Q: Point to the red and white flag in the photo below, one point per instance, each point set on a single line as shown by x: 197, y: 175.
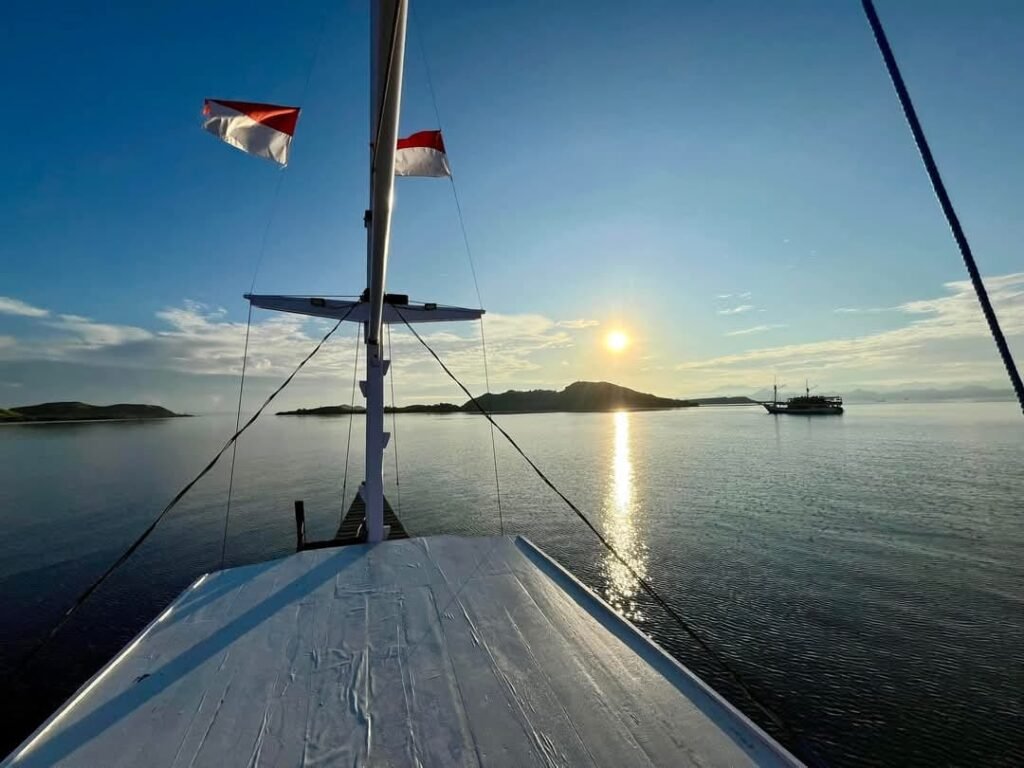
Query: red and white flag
x: 422, y: 154
x: 264, y: 130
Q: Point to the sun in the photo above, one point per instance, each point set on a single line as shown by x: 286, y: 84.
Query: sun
x: 616, y: 341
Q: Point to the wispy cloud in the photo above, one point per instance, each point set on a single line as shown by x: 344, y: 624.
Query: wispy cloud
x: 940, y: 341
x: 87, y: 334
x: 742, y: 295
x: 944, y: 342
x: 738, y: 310
x: 755, y: 329
x: 200, y: 340
x: 9, y: 306
x: 864, y: 310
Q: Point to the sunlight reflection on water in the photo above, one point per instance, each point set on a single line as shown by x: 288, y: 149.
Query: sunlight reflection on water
x: 620, y: 525
x: 863, y: 571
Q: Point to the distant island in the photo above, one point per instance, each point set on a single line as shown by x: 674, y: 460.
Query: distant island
x: 75, y: 411
x: 580, y: 397
x: 342, y: 410
x: 931, y: 395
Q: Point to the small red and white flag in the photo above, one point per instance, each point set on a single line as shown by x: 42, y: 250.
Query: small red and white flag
x: 264, y: 130
x: 422, y: 154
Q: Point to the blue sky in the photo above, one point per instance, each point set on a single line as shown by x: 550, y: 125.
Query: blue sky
x: 715, y: 179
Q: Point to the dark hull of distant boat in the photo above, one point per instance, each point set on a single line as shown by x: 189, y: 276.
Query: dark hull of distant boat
x: 829, y: 410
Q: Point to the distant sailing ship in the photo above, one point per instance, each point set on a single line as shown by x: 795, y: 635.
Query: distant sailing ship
x: 806, y: 404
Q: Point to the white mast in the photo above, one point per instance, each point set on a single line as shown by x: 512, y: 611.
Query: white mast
x: 387, y: 60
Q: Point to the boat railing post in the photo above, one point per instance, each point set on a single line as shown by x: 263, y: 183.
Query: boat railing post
x: 300, y: 525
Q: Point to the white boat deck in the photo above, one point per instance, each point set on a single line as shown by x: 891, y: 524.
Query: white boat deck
x: 429, y: 651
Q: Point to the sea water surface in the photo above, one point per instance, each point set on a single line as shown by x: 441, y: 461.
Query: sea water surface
x: 863, y: 574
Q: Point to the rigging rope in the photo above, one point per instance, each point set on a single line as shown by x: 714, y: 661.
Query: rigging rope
x: 245, y: 354
x: 173, y: 502
x: 426, y: 64
x: 644, y: 584
x: 351, y: 407
x: 469, y: 256
x: 483, y: 349
x: 280, y: 176
x: 252, y: 288
x: 494, y: 449
x: 234, y: 446
x: 394, y: 419
x: 947, y: 205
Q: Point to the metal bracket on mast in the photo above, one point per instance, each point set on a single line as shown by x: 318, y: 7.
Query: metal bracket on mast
x: 362, y: 382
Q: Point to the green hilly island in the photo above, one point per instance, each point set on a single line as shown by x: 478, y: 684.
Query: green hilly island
x: 76, y: 411
x: 580, y: 397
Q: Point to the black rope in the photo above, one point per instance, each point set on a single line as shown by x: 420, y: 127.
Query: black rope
x: 173, y: 502
x: 234, y: 446
x: 647, y: 587
x: 947, y: 205
x: 351, y: 407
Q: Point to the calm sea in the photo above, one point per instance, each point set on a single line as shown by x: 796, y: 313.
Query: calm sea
x: 864, y: 574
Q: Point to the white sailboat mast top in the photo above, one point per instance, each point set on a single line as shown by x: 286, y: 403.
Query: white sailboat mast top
x: 387, y: 62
